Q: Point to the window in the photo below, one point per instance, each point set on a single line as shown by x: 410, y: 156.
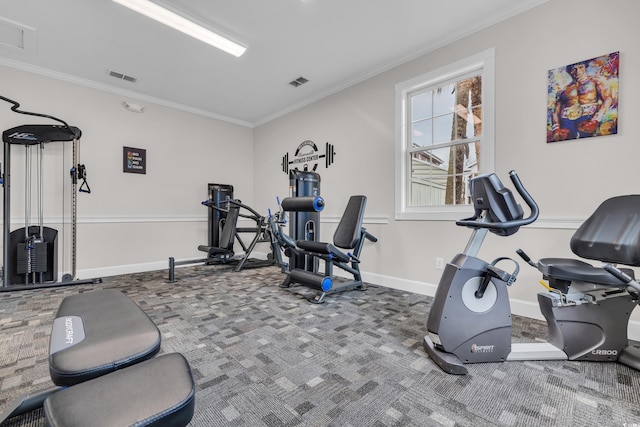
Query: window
x: 444, y: 131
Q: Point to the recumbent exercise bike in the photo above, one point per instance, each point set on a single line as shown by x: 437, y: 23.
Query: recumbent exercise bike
x: 587, y: 308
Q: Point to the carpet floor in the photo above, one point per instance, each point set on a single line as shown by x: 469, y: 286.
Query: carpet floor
x: 263, y: 356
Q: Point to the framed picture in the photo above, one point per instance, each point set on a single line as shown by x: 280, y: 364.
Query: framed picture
x: 583, y: 99
x: 134, y: 160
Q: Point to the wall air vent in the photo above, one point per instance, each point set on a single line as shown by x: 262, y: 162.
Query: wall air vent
x: 298, y: 82
x: 122, y: 76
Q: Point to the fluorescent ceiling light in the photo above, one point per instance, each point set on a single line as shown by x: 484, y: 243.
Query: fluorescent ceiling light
x: 177, y: 22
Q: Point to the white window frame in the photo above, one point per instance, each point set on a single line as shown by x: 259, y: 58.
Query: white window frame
x: 484, y: 63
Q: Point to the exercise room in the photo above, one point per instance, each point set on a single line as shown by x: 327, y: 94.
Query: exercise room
x: 319, y: 213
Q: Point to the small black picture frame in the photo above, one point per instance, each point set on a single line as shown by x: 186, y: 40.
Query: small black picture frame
x: 134, y: 160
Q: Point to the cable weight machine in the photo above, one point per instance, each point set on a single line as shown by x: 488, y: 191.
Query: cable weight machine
x: 30, y: 254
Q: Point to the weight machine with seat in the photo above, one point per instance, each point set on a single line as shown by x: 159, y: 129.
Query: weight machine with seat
x: 223, y: 252
x: 350, y: 236
x: 223, y: 231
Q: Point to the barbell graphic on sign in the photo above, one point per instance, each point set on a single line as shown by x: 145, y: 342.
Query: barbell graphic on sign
x: 307, y: 154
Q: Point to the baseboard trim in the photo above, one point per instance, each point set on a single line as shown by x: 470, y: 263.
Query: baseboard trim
x: 518, y: 307
x: 117, y: 270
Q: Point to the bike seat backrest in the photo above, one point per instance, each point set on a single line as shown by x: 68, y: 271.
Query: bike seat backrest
x: 496, y: 201
x: 349, y: 230
x: 611, y: 233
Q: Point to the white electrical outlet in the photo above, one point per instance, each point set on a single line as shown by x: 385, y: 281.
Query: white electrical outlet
x: 439, y: 263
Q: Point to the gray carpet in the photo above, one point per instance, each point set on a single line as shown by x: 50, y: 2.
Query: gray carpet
x: 264, y: 356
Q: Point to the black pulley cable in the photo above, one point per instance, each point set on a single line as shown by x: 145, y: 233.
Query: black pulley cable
x: 16, y: 107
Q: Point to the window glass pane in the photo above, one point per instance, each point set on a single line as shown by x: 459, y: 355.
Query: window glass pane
x: 442, y: 154
x: 442, y: 128
x: 441, y: 176
x: 476, y: 121
x: 421, y: 106
x: 457, y: 189
x: 475, y: 85
x: 460, y: 123
x: 428, y: 182
x: 449, y: 117
x: 443, y: 100
x: 463, y: 158
x: 426, y: 160
x: 422, y: 133
x: 468, y: 98
x: 459, y: 155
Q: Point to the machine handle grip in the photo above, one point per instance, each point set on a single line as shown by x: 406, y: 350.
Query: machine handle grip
x: 619, y: 274
x: 255, y: 215
x: 533, y: 206
x: 369, y: 236
x: 622, y: 276
x: 526, y: 258
x: 523, y: 255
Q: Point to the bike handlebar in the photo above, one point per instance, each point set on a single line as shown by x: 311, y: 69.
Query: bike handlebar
x: 473, y: 222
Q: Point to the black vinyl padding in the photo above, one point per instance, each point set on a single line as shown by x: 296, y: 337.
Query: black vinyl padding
x: 349, y: 230
x: 575, y: 270
x: 227, y: 236
x: 118, y: 334
x: 229, y: 229
x: 347, y: 235
x: 302, y: 204
x: 611, y: 233
x: 323, y: 248
x: 157, y: 392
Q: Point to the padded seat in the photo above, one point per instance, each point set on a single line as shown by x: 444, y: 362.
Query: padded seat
x: 98, y: 332
x: 157, y: 392
x: 323, y: 248
x: 350, y: 235
x: 575, y: 270
x: 611, y: 234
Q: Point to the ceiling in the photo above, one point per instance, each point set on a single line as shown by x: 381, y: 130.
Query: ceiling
x: 332, y: 43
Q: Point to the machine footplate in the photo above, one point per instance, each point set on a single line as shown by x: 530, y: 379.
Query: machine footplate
x: 446, y: 361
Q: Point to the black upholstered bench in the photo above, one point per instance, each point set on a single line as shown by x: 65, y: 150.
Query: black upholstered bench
x: 95, y: 333
x: 97, y: 344
x: 157, y: 392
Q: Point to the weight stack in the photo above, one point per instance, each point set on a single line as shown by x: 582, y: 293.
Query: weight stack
x: 41, y: 259
x: 304, y: 225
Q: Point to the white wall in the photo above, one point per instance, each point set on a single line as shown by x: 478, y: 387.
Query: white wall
x: 133, y: 223
x: 130, y: 222
x: 568, y: 179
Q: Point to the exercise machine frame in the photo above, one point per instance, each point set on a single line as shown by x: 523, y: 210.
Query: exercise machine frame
x: 587, y: 308
x: 28, y: 136
x: 350, y: 235
x: 223, y: 254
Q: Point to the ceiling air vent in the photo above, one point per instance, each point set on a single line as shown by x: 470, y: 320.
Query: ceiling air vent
x: 122, y: 76
x: 16, y: 36
x: 298, y: 82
